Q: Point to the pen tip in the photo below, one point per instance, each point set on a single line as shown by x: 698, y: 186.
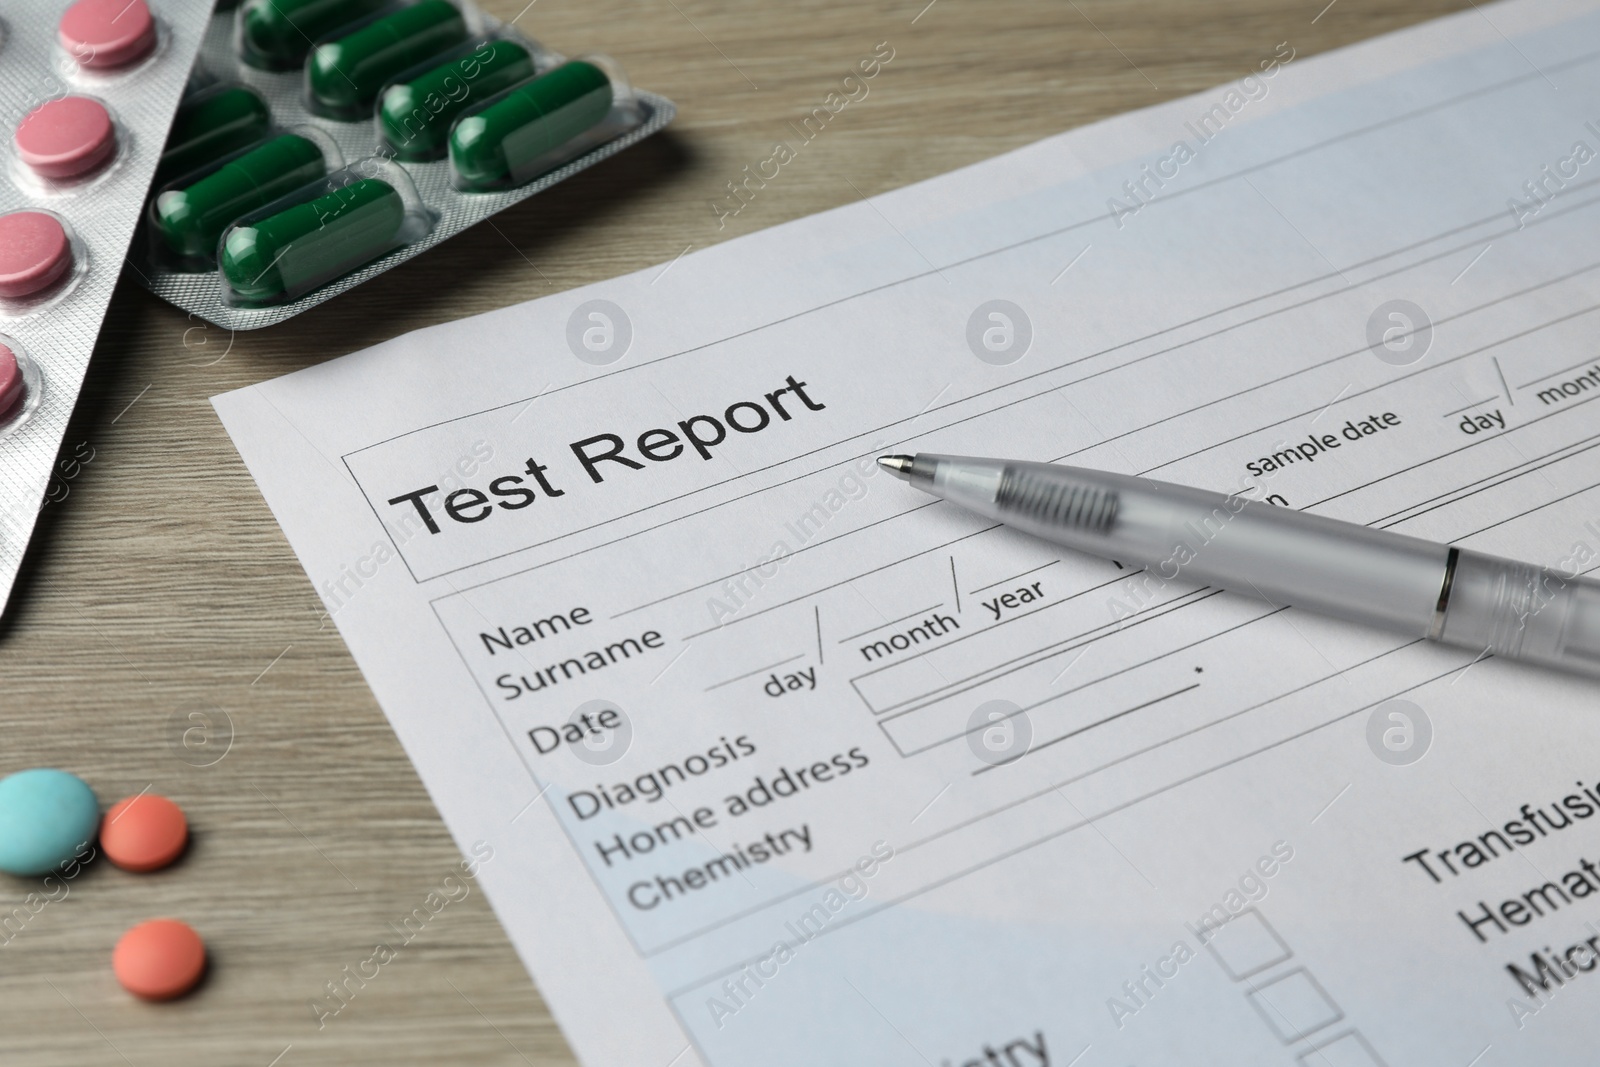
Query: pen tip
x: 899, y: 466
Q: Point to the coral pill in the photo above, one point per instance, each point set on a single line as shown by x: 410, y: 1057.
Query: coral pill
x: 159, y: 959
x: 102, y: 34
x: 144, y: 833
x: 34, y: 253
x: 66, y: 138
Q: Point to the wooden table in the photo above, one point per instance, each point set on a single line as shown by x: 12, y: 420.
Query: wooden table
x: 165, y: 637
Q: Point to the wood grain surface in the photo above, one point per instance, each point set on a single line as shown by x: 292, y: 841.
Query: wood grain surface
x: 165, y: 637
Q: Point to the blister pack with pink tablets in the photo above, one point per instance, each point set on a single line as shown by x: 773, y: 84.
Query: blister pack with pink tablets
x: 87, y: 93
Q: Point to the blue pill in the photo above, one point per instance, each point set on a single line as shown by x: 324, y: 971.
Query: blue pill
x: 46, y: 817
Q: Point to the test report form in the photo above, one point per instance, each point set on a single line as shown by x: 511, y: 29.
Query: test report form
x: 783, y: 763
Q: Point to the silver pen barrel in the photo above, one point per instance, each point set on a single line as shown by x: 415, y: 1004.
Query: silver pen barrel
x: 1283, y: 556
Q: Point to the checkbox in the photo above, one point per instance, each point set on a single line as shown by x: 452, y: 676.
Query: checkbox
x: 1294, y: 1006
x: 1247, y: 945
x: 1349, y: 1049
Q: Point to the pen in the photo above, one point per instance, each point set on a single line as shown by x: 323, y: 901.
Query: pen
x: 1441, y: 592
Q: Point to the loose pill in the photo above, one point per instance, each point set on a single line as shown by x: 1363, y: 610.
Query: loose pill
x: 278, y: 34
x: 497, y: 146
x: 144, y: 833
x: 34, y: 253
x: 12, y: 386
x: 295, y: 250
x: 192, y: 219
x: 345, y: 74
x: 416, y: 115
x: 102, y: 34
x: 66, y: 138
x: 159, y: 959
x: 210, y: 126
x: 46, y: 818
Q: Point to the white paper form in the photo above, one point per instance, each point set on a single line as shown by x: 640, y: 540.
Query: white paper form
x: 782, y: 762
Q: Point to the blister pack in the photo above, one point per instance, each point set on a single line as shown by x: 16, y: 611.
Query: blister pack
x: 87, y: 93
x: 335, y: 139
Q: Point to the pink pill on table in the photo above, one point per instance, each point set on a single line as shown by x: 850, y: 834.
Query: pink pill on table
x: 11, y: 384
x: 107, y: 33
x: 66, y: 138
x: 34, y: 253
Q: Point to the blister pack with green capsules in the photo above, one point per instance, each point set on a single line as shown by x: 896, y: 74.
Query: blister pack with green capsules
x: 325, y: 141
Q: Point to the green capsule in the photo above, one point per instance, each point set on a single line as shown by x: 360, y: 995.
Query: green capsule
x: 283, y: 255
x: 191, y: 219
x: 496, y: 146
x: 416, y: 115
x: 345, y: 74
x: 211, y: 126
x: 278, y: 34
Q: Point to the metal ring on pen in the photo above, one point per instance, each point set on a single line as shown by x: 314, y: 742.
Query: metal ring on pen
x: 1436, y: 630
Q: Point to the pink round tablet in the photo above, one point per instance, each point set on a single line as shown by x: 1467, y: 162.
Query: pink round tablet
x: 107, y: 33
x: 34, y: 253
x: 66, y: 138
x: 11, y: 385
